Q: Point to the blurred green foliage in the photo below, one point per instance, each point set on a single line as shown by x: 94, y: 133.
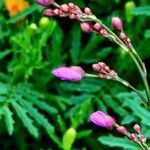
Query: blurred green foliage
x: 37, y: 109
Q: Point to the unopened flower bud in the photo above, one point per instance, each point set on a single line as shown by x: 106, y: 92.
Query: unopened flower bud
x: 71, y: 5
x: 87, y: 11
x: 45, y: 2
x: 107, y: 69
x: 96, y: 67
x: 97, y: 26
x: 132, y: 137
x: 64, y: 8
x: 56, y: 12
x: 69, y: 138
x: 122, y: 130
x: 123, y: 36
x: 33, y: 26
x: 103, y: 32
x: 86, y: 27
x: 117, y: 23
x: 141, y: 138
x: 103, y: 120
x: 137, y: 128
x: 74, y: 73
x: 44, y: 21
x: 72, y: 16
x: 48, y: 12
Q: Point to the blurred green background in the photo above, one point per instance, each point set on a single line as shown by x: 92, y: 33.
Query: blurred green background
x: 37, y: 109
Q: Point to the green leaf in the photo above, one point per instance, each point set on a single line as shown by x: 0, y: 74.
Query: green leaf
x: 147, y: 33
x: 112, y: 141
x: 75, y: 44
x: 9, y: 120
x: 44, y: 106
x: 37, y: 116
x: 3, y: 54
x: 26, y: 120
x: 143, y: 10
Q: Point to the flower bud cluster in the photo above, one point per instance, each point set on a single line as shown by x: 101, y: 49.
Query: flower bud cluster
x: 125, y: 39
x: 89, y: 27
x: 135, y: 137
x: 103, y: 120
x: 104, y: 71
x: 67, y: 10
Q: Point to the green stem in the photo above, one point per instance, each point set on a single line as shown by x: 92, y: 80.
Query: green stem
x: 143, y: 76
x: 134, y: 89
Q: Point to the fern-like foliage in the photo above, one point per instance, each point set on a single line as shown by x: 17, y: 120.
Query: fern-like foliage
x: 24, y: 102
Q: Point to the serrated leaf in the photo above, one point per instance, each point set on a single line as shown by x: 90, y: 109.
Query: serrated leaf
x: 26, y: 120
x: 37, y: 116
x: 44, y: 106
x: 9, y: 120
x: 112, y: 141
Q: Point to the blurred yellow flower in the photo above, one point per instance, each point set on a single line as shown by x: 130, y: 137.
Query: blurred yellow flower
x: 16, y: 6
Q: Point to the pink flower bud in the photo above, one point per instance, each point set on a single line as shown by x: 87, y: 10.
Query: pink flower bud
x: 56, y: 12
x: 103, y: 120
x: 97, y: 26
x: 64, y: 8
x: 86, y: 27
x: 141, y: 138
x: 87, y: 11
x: 137, y: 128
x: 122, y: 130
x: 74, y: 73
x: 102, y: 76
x: 48, y: 12
x: 107, y: 69
x: 117, y: 23
x: 71, y: 5
x: 96, y: 67
x: 45, y: 2
x: 123, y: 36
x: 72, y: 16
x: 132, y: 137
x: 103, y: 32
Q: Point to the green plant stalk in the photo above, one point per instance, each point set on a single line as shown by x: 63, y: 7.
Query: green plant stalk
x: 131, y: 51
x: 143, y: 76
x: 127, y: 84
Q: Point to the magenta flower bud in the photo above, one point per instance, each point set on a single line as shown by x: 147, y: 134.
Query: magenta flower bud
x: 48, y: 12
x: 86, y: 27
x: 103, y: 120
x: 64, y: 8
x: 87, y: 11
x: 137, y: 128
x: 45, y: 2
x: 117, y: 23
x: 74, y: 73
x: 122, y: 130
x: 97, y: 26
